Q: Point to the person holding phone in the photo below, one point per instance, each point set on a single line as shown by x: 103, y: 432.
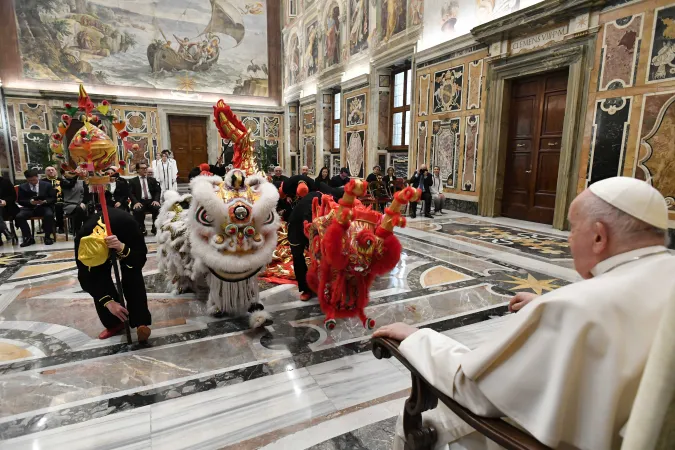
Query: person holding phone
x: 36, y: 199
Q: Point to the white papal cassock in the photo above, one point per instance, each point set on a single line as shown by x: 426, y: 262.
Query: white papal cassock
x: 567, y: 366
x: 166, y: 173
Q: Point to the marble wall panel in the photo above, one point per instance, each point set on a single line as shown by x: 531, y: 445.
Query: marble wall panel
x: 142, y: 124
x: 445, y: 149
x: 36, y: 150
x: 422, y: 135
x: 356, y: 110
x: 327, y: 123
x: 293, y: 130
x: 448, y: 86
x: 136, y: 121
x: 356, y: 152
x: 252, y: 123
x: 662, y: 48
x: 309, y: 121
x: 383, y: 120
x: 609, y: 137
x: 470, y: 153
x: 309, y: 152
x: 656, y: 153
x: 13, y: 138
x: 423, y: 95
x: 34, y: 116
x: 271, y: 127
x: 475, y: 84
x: 620, y: 52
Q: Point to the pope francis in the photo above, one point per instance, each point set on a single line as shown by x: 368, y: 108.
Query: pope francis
x: 567, y: 366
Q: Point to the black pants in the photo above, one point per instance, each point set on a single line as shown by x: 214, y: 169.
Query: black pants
x: 136, y: 299
x: 426, y: 197
x: 43, y: 211
x: 3, y: 225
x: 300, y: 265
x: 58, y: 215
x: 139, y: 214
x: 78, y: 215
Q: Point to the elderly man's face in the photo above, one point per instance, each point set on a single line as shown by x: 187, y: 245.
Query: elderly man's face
x: 50, y: 172
x: 305, y: 170
x: 151, y: 172
x: 277, y: 171
x: 583, y: 238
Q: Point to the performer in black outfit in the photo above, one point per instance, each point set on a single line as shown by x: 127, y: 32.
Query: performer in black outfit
x: 94, y: 272
x: 323, y: 177
x: 296, y: 237
x: 8, y: 207
x: 59, y: 184
x: 422, y: 179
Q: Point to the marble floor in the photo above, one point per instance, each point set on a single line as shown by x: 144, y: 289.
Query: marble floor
x: 208, y: 383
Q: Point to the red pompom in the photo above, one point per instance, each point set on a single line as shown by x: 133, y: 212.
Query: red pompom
x: 56, y: 136
x: 301, y: 190
x: 204, y: 167
x: 105, y: 102
x: 65, y: 117
x: 68, y: 105
x: 83, y: 133
x: 122, y: 164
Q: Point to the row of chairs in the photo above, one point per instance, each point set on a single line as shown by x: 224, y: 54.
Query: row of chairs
x: 33, y: 220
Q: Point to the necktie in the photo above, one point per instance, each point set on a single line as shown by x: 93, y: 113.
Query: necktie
x: 145, y: 189
x: 35, y: 188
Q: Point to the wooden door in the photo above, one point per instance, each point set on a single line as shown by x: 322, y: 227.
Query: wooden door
x: 188, y: 143
x: 536, y: 118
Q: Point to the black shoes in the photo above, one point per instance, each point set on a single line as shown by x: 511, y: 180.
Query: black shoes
x: 48, y: 241
x: 60, y: 230
x: 26, y: 242
x: 428, y: 216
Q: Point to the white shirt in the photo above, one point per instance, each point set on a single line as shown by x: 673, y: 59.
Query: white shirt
x: 113, y: 186
x: 568, y: 365
x: 437, y: 187
x: 144, y: 188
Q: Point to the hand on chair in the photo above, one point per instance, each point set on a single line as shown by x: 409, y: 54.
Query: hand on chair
x: 138, y: 205
x: 155, y: 203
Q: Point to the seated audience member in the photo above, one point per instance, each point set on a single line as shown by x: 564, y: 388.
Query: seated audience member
x: 144, y: 192
x: 116, y: 194
x: 36, y: 198
x: 389, y: 181
x: 374, y: 175
x: 8, y: 207
x: 151, y: 173
x: 436, y: 190
x: 58, y: 183
x: 74, y: 205
x: 94, y: 272
x: 567, y: 366
x: 422, y: 179
x: 278, y: 177
x: 304, y: 170
x: 341, y: 179
x: 323, y: 177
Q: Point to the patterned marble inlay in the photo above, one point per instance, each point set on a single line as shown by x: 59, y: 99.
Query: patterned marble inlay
x: 662, y: 49
x: 422, y: 135
x: 620, y: 52
x: 34, y: 116
x: 656, y: 154
x: 470, y: 153
x: 608, y: 141
x: 356, y: 145
x: 423, y: 95
x: 448, y: 86
x: 475, y: 84
x: 445, y: 149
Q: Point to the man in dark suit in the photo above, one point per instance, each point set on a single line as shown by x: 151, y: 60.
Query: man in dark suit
x: 423, y: 180
x: 8, y: 207
x: 36, y: 199
x: 340, y: 180
x: 144, y: 192
x: 278, y: 177
x: 119, y: 190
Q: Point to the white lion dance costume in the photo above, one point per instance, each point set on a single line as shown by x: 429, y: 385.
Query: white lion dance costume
x: 227, y: 234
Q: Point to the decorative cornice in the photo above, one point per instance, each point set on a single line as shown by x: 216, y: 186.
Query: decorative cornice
x: 448, y: 50
x: 330, y: 80
x: 308, y: 100
x: 355, y: 83
x: 401, y: 49
x: 528, y: 20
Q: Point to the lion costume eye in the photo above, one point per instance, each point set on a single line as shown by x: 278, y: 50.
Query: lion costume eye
x: 270, y: 219
x: 203, y: 217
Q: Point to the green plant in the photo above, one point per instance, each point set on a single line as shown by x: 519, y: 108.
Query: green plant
x: 266, y: 154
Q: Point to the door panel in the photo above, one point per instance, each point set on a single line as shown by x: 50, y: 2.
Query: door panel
x: 537, y: 116
x: 188, y: 143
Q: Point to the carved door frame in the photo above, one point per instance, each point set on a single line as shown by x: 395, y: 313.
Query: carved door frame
x: 577, y: 55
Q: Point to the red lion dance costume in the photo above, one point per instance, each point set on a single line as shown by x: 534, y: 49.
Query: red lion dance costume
x: 349, y: 246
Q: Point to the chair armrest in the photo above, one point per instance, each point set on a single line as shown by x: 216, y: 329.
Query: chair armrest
x: 501, y: 432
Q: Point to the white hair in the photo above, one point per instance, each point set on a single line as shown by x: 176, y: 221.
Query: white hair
x: 621, y: 224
